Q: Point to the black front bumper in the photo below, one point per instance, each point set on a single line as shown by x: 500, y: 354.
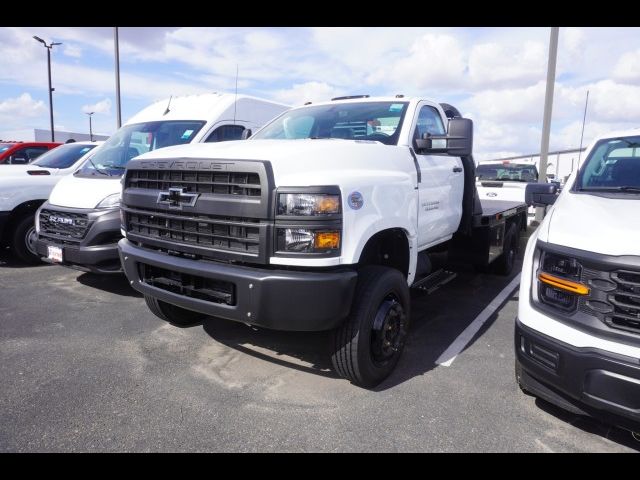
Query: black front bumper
x: 97, y: 252
x: 585, y: 381
x: 275, y: 299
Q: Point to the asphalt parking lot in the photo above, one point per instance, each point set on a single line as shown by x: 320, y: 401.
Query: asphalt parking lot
x: 84, y: 366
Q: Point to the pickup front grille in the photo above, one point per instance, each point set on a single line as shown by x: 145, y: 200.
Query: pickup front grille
x: 194, y: 181
x: 625, y: 300
x: 64, y: 226
x: 215, y: 291
x: 222, y: 233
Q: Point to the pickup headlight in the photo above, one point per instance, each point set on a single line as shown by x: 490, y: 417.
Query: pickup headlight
x: 308, y: 240
x: 308, y: 204
x: 558, y: 282
x: 111, y: 201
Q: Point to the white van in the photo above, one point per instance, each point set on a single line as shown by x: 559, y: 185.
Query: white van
x: 577, y: 335
x: 79, y: 226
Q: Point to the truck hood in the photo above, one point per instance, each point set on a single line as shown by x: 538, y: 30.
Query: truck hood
x: 597, y: 224
x: 301, y: 162
x: 82, y: 192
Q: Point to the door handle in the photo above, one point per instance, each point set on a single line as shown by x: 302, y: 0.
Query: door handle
x: 457, y: 169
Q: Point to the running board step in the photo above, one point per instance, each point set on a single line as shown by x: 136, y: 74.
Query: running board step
x: 434, y: 281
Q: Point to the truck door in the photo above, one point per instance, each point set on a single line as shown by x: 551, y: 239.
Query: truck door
x: 442, y: 184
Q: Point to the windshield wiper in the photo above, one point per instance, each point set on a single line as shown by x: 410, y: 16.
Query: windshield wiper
x: 623, y: 188
x: 97, y: 169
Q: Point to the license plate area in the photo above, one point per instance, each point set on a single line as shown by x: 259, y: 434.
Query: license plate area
x: 54, y: 253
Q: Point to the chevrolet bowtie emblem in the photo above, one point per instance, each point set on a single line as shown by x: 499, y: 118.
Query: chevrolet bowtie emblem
x: 177, y: 198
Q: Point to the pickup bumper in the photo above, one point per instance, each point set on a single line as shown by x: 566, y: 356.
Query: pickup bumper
x: 97, y: 252
x: 583, y: 381
x: 275, y: 299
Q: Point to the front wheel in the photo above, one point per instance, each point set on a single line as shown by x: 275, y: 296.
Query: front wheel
x: 23, y: 241
x: 171, y: 313
x: 368, y: 345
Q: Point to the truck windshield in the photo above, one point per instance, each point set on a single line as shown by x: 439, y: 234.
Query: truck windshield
x: 63, y: 156
x: 379, y: 121
x: 132, y: 140
x: 512, y: 172
x: 612, y: 165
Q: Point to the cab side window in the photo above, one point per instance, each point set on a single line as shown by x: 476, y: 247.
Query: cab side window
x: 225, y: 133
x: 429, y: 121
x: 31, y: 152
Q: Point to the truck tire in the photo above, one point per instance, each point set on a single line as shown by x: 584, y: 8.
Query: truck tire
x: 171, y: 313
x: 504, y: 264
x: 368, y: 345
x: 23, y: 240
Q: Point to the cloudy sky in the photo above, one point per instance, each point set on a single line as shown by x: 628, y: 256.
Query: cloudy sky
x: 496, y: 76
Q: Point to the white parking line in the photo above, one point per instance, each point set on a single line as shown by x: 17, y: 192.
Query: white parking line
x: 450, y: 354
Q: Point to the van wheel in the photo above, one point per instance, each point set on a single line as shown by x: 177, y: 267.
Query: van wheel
x: 368, y: 345
x: 23, y: 240
x: 171, y: 313
x: 504, y: 264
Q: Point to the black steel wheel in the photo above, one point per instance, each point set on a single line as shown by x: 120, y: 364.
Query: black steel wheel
x: 369, y: 343
x: 23, y: 240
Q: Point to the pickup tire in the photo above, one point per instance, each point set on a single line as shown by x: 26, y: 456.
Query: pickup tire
x: 369, y: 343
x: 23, y: 240
x: 171, y: 313
x: 504, y: 264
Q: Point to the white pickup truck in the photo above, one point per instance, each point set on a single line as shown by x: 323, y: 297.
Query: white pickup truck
x: 322, y: 220
x: 23, y: 188
x: 506, y: 180
x: 577, y: 335
x: 79, y: 226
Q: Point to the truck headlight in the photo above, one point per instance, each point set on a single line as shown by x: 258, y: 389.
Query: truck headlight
x: 110, y: 201
x: 558, y: 282
x: 307, y: 240
x: 308, y: 204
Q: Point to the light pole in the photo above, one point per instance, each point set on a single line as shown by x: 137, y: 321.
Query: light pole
x: 49, y: 47
x: 90, y: 130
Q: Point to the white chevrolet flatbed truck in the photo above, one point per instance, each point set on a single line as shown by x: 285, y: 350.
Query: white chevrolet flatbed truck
x: 323, y: 220
x: 577, y: 335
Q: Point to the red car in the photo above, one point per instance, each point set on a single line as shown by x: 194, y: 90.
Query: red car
x: 23, y: 152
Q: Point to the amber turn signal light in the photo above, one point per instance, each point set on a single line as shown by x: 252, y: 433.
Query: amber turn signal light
x: 327, y: 240
x: 562, y: 284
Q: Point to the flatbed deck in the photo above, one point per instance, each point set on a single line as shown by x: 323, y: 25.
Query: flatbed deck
x: 494, y: 207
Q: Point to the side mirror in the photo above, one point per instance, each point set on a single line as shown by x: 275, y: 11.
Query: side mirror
x: 246, y: 133
x: 541, y: 194
x: 18, y: 160
x: 458, y: 142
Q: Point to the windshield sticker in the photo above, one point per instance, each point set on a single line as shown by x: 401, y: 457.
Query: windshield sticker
x: 186, y: 134
x: 395, y: 107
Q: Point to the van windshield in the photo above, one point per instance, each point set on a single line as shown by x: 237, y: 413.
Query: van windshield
x: 111, y: 158
x: 378, y: 121
x: 612, y: 165
x: 511, y: 172
x: 63, y: 156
